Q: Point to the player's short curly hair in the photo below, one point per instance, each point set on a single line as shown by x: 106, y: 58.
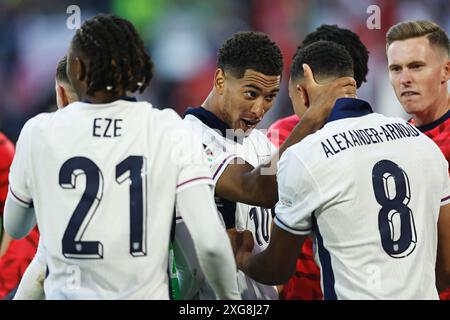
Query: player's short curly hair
x: 116, y: 53
x: 325, y: 58
x: 350, y: 41
x: 250, y: 50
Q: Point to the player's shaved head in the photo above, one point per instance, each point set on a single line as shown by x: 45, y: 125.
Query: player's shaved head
x: 61, y: 72
x: 327, y: 60
x: 65, y: 93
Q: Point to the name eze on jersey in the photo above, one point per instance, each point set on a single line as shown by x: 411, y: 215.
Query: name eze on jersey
x: 107, y: 128
x: 361, y: 137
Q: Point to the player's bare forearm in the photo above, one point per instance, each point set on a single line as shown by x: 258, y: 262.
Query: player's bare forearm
x: 262, y: 268
x: 258, y: 267
x: 442, y: 279
x: 258, y: 186
x: 263, y: 178
x: 276, y: 264
x: 246, y: 184
x: 443, y: 252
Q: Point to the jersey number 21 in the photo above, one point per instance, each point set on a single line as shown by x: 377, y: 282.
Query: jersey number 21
x: 132, y: 168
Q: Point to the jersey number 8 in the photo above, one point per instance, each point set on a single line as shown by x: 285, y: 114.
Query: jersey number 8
x: 395, y: 218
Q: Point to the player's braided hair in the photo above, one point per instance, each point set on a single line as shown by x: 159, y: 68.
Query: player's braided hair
x: 250, y: 50
x: 117, y: 54
x: 350, y: 41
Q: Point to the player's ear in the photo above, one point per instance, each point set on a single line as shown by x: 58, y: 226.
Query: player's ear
x: 303, y: 94
x: 80, y: 69
x: 446, y: 72
x: 219, y: 81
x: 61, y: 97
x: 64, y: 97
x: 58, y: 96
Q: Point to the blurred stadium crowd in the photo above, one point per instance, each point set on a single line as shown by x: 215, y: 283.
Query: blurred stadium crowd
x: 183, y: 37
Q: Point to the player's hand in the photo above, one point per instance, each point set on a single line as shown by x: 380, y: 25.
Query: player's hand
x: 322, y: 97
x: 242, y: 243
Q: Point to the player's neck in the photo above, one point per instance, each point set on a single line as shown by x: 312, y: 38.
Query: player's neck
x: 433, y: 113
x: 211, y: 104
x: 100, y: 97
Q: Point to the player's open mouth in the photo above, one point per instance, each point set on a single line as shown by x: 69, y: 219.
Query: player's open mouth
x: 250, y: 124
x: 409, y: 93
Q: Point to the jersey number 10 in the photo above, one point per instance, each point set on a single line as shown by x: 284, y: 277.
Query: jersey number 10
x: 398, y: 242
x: 132, y: 168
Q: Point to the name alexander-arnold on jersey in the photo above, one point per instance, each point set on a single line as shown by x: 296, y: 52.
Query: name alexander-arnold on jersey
x: 367, y: 136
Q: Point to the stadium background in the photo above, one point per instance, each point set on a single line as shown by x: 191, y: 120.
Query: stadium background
x: 183, y: 37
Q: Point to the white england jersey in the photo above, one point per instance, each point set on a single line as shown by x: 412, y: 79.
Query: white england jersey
x: 370, y: 189
x: 220, y: 151
x: 103, y: 180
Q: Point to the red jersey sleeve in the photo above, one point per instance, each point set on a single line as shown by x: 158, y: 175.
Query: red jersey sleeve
x: 6, y: 157
x: 280, y: 130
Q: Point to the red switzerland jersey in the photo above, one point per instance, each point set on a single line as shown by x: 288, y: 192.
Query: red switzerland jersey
x: 20, y: 252
x: 6, y: 156
x: 284, y: 127
x: 305, y: 283
x: 439, y: 132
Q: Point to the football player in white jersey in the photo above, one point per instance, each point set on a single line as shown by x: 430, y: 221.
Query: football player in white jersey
x: 101, y: 177
x: 31, y: 285
x: 246, y: 83
x: 380, y: 221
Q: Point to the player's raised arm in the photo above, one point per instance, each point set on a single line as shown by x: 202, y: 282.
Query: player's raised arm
x: 292, y: 225
x: 276, y: 264
x: 320, y: 99
x: 210, y: 240
x: 258, y: 186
